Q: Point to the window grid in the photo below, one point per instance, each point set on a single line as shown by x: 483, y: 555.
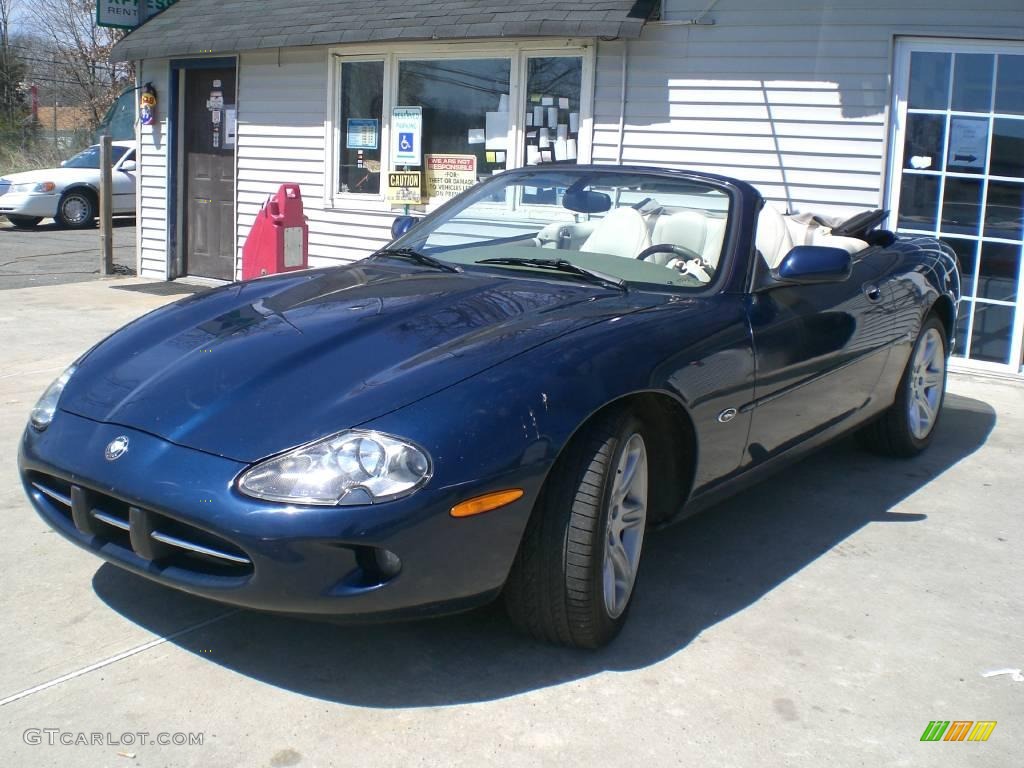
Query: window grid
x: 970, y: 300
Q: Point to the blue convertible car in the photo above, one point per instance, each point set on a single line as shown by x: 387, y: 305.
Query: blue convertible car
x: 501, y: 402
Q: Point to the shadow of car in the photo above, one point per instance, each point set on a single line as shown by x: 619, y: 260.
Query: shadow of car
x: 695, y: 575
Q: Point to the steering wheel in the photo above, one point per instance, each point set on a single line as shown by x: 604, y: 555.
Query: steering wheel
x: 678, y: 250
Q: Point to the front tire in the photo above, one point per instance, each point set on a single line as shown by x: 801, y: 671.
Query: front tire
x: 76, y: 210
x: 908, y: 426
x: 572, y: 581
x: 24, y: 222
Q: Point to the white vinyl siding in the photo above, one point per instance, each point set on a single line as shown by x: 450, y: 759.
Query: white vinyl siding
x: 282, y: 118
x: 151, y: 196
x: 793, y: 101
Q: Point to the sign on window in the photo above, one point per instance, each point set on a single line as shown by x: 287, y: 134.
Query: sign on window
x: 448, y: 175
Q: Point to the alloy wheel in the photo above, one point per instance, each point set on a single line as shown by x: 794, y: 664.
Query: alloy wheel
x: 627, y: 517
x: 927, y: 380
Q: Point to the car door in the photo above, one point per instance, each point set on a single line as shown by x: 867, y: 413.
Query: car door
x: 819, y: 352
x: 123, y: 186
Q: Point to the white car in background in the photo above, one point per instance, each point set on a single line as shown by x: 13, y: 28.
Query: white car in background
x: 69, y: 194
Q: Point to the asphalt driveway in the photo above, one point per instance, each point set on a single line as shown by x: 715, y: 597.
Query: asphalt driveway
x: 50, y: 255
x: 824, y: 617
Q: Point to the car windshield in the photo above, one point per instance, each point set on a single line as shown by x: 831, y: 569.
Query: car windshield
x: 90, y: 158
x: 629, y: 226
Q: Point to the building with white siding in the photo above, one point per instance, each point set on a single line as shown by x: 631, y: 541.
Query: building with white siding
x: 832, y: 107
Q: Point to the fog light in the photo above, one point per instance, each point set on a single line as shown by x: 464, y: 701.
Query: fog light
x: 388, y: 563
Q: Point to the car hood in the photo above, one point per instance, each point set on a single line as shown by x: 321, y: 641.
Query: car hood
x: 59, y: 176
x: 251, y: 369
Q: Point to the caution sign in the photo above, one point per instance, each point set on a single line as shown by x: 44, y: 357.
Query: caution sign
x: 448, y: 175
x: 404, y: 188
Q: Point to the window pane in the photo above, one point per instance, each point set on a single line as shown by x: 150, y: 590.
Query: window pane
x: 966, y: 254
x: 926, y: 137
x: 990, y: 339
x: 972, y: 82
x: 1004, y: 215
x: 1010, y: 85
x: 919, y: 202
x: 961, y: 206
x: 968, y: 145
x: 362, y: 99
x: 1008, y: 147
x: 962, y: 318
x: 552, y: 119
x: 465, y: 108
x: 1000, y: 263
x: 929, y: 80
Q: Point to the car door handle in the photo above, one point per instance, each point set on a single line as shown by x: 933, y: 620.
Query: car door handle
x: 873, y: 292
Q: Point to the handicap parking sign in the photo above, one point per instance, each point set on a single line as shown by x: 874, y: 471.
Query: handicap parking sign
x: 406, y: 132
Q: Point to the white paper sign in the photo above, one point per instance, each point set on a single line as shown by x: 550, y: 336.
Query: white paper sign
x: 230, y: 126
x: 968, y: 142
x: 497, y: 130
x: 406, y: 136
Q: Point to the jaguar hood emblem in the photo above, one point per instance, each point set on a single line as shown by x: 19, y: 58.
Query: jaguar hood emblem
x: 116, y: 448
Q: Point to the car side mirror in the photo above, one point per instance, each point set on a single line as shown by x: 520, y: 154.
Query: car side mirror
x: 813, y: 264
x: 401, y: 225
x: 129, y: 166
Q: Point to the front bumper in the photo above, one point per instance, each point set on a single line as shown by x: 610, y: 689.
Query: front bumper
x: 24, y: 204
x: 306, y: 560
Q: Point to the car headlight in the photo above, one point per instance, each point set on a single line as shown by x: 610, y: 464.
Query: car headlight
x: 351, y: 467
x: 34, y: 188
x: 43, y: 412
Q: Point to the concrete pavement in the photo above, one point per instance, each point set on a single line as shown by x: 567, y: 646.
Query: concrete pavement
x: 824, y: 617
x: 50, y: 255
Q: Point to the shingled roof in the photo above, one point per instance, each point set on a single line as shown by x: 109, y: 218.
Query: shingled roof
x: 225, y: 26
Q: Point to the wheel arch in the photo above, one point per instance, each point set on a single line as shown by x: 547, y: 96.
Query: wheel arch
x: 673, y: 450
x: 81, y: 186
x: 945, y: 310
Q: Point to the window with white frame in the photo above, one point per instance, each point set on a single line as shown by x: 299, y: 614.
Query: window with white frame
x: 484, y: 110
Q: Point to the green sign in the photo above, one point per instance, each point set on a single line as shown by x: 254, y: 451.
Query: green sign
x: 124, y: 14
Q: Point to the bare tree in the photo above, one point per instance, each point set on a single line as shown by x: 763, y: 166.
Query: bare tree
x: 82, y: 54
x: 10, y: 96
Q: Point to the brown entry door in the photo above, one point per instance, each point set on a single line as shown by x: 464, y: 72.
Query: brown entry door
x: 209, y: 173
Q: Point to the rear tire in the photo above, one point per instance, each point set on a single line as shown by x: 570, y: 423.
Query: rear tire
x: 24, y: 222
x: 76, y: 210
x: 907, y: 427
x: 573, y: 578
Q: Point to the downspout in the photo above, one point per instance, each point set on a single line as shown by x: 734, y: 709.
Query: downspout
x: 622, y: 101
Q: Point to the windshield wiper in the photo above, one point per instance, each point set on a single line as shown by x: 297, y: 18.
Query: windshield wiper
x: 419, y: 258
x: 562, y: 265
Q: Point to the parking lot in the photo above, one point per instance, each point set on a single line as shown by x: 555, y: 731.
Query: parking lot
x: 51, y: 255
x: 823, y: 617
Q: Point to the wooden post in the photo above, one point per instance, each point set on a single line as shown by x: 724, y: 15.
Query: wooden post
x: 106, y: 205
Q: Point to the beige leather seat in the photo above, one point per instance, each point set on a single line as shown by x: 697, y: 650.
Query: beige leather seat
x: 811, y: 233
x: 772, y: 238
x: 622, y: 232
x: 692, y: 230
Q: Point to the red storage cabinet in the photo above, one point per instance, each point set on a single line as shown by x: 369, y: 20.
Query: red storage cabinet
x: 279, y: 238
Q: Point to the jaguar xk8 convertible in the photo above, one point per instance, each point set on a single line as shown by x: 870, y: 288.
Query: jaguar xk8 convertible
x: 503, y: 402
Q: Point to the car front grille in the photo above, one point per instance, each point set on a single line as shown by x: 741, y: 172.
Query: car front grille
x: 164, y: 541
